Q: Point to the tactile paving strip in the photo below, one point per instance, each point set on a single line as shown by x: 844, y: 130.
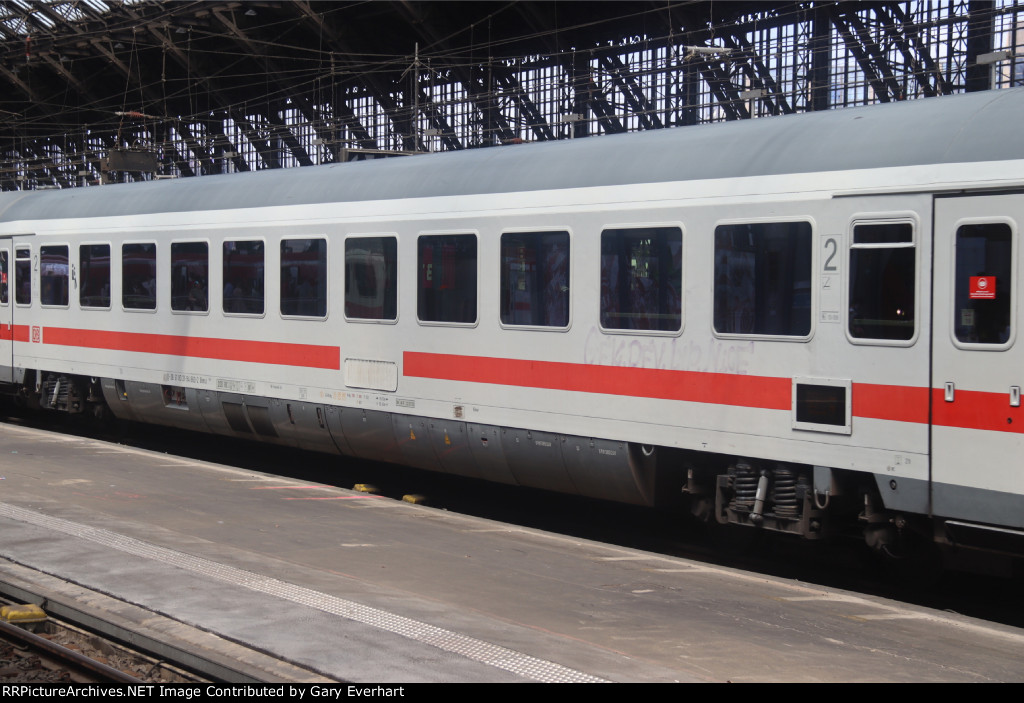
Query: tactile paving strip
x: 446, y: 640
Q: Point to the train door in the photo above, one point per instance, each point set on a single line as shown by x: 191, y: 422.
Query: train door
x: 6, y: 315
x: 978, y: 361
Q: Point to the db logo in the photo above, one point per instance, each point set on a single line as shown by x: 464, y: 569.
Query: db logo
x: 982, y: 288
x: 37, y: 334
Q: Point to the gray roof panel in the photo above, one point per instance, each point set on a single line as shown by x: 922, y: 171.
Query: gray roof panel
x: 950, y: 129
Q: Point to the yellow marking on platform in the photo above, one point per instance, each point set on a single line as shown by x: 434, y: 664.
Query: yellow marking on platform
x: 27, y: 613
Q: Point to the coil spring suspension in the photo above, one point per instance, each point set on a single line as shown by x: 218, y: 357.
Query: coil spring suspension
x: 59, y: 392
x: 784, y: 491
x: 745, y: 478
x: 54, y: 392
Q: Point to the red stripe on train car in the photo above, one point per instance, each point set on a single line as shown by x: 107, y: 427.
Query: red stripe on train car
x: 971, y: 410
x: 281, y: 353
x: 874, y: 401
x: 977, y: 410
x: 697, y: 387
x: 900, y: 403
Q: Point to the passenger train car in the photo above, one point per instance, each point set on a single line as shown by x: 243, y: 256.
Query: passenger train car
x: 804, y: 324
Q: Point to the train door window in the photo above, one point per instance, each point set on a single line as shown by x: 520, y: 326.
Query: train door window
x: 138, y: 276
x: 23, y: 276
x: 984, y: 284
x: 190, y: 276
x: 304, y: 277
x: 53, y: 275
x: 244, y: 266
x: 882, y: 281
x: 94, y: 275
x: 535, y: 279
x: 447, y: 288
x: 762, y: 282
x: 642, y: 279
x: 3, y: 277
x: 371, y: 278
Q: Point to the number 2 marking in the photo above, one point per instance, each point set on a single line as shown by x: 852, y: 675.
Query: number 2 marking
x: 829, y: 266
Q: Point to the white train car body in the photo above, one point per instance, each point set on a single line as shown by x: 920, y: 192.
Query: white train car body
x: 787, y: 318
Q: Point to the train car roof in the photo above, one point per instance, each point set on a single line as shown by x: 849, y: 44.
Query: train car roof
x: 950, y: 129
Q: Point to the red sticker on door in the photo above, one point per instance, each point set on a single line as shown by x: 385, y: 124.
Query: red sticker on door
x: 983, y: 288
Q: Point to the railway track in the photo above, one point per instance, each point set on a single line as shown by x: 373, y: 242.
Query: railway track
x: 58, y: 652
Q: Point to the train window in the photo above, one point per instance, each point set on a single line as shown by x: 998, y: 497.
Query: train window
x: 882, y: 281
x: 447, y: 267
x: 94, y: 272
x: 304, y: 277
x: 3, y: 277
x: 190, y: 276
x: 138, y: 276
x: 642, y: 279
x: 53, y: 275
x: 23, y: 276
x: 371, y: 278
x: 763, y: 279
x: 984, y: 283
x: 535, y: 279
x: 243, y: 277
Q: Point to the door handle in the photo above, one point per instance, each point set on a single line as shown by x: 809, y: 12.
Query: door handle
x: 950, y: 390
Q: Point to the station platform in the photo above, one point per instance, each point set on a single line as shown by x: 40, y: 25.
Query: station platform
x: 287, y: 581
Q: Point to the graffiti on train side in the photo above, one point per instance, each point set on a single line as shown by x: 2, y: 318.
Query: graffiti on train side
x: 714, y: 355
